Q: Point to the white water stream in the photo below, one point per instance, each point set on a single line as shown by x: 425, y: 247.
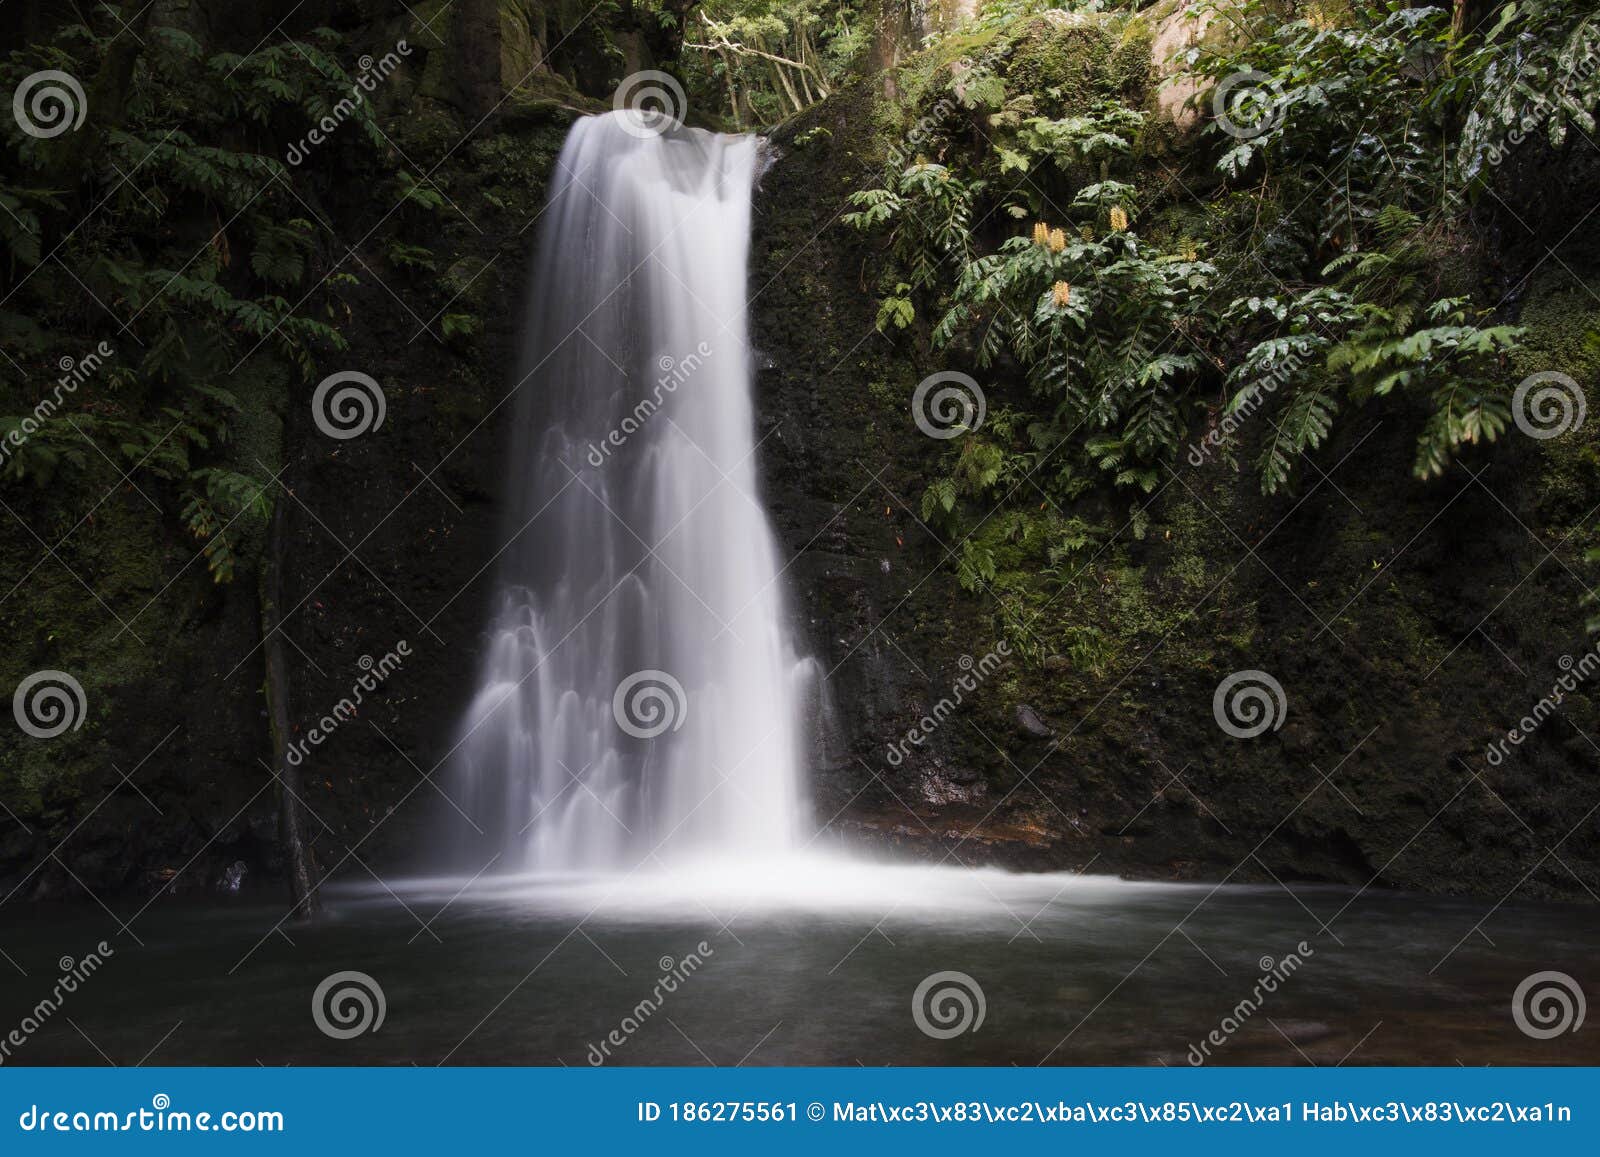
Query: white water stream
x: 641, y: 701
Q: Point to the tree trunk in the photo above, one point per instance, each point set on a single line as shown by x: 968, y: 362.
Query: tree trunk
x: 475, y: 44
x: 302, y: 869
x: 107, y: 97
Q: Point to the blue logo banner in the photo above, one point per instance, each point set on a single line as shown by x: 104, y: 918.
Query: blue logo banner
x: 799, y: 1110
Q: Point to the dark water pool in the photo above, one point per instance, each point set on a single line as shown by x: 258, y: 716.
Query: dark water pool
x: 811, y: 962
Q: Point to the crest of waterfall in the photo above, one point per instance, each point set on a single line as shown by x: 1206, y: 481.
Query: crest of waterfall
x: 641, y: 700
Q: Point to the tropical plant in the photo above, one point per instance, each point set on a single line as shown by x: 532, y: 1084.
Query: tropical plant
x: 181, y: 242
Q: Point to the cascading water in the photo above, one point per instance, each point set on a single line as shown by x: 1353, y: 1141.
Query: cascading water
x: 641, y: 698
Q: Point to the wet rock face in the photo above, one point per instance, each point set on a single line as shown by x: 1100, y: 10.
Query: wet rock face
x: 1363, y: 602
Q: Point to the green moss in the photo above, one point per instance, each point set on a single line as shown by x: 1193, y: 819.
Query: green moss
x: 1562, y: 315
x: 1081, y: 60
x: 1130, y: 67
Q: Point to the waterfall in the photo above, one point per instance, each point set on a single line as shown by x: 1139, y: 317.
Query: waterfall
x: 641, y: 699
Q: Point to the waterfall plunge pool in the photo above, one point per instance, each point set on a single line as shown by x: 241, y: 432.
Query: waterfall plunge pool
x: 811, y: 960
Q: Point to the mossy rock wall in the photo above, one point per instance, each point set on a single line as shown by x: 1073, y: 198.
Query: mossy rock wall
x: 1409, y: 624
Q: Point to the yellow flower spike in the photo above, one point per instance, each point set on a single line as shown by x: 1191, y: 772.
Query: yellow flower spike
x: 1119, y: 218
x: 1041, y: 233
x: 1058, y: 240
x: 1061, y: 294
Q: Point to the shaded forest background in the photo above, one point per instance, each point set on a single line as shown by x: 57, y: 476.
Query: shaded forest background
x: 1249, y: 371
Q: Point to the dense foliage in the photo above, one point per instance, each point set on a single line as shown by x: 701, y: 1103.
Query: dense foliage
x: 1034, y: 219
x: 169, y: 231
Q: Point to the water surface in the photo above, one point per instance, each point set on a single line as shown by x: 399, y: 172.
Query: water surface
x: 809, y: 961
